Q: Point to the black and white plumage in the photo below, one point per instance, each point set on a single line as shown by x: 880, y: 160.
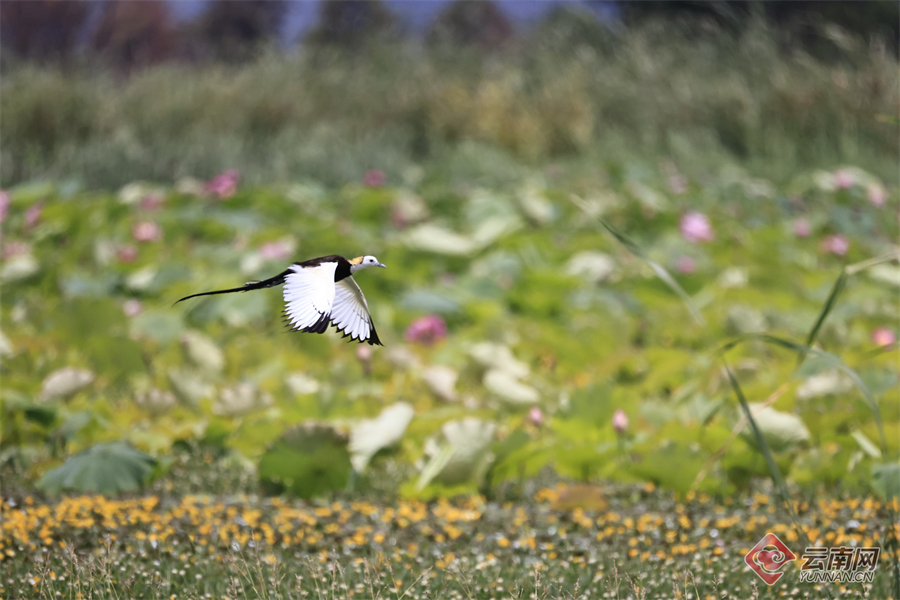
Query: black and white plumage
x: 321, y: 292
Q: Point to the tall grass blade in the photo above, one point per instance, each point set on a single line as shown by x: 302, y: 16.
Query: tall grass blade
x: 833, y: 361
x: 757, y: 435
x: 836, y: 290
x: 658, y: 269
x: 865, y: 264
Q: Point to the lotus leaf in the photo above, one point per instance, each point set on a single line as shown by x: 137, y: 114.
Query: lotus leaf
x: 493, y: 228
x: 403, y: 358
x: 239, y: 399
x: 885, y: 273
x: 372, y: 435
x: 6, y: 346
x: 886, y: 479
x: 441, y: 381
x: 429, y: 301
x: 867, y: 445
x: 190, y: 385
x: 537, y: 208
x: 831, y: 382
x: 308, y: 460
x: 65, y: 382
x: 510, y: 389
x: 156, y: 401
x: 19, y: 267
x: 463, y: 455
x: 301, y: 384
x: 81, y: 284
x: 162, y: 327
x: 744, y: 319
x: 433, y: 238
x: 593, y: 266
x: 499, y: 357
x: 781, y: 430
x: 108, y: 468
x: 203, y: 352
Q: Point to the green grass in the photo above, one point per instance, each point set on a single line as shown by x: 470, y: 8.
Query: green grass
x: 701, y: 98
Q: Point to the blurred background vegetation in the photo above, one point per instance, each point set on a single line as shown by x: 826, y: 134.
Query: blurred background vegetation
x: 116, y: 91
x: 750, y: 148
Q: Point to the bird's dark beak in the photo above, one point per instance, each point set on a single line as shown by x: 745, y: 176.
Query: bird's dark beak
x: 382, y: 266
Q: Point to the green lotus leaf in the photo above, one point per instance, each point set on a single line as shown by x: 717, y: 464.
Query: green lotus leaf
x: 109, y: 468
x: 65, y: 382
x: 308, y: 460
x: 462, y: 455
x: 886, y: 479
x: 161, y: 327
x: 203, y: 352
x: 781, y: 430
x: 373, y: 435
x: 190, y: 385
x: 510, y: 389
x: 433, y: 238
x: 42, y: 415
x: 239, y: 399
x: 441, y: 380
x: 83, y: 285
x: 19, y: 267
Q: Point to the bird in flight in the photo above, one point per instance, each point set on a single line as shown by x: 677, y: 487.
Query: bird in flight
x: 321, y: 292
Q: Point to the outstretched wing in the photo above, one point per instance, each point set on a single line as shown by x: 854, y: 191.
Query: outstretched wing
x: 350, y: 314
x: 309, y: 296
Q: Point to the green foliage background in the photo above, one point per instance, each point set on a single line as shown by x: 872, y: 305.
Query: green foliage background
x: 495, y: 166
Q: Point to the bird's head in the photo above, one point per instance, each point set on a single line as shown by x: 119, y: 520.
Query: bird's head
x: 364, y: 262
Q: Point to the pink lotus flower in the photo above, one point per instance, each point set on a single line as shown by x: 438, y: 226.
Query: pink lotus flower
x: 275, y: 251
x: 4, y: 205
x: 843, y: 179
x: 876, y: 195
x: 132, y: 307
x: 152, y: 201
x: 126, y: 254
x: 224, y: 185
x: 835, y: 244
x: 146, y: 231
x: 33, y: 214
x: 686, y: 265
x: 882, y: 336
x: 695, y: 227
x: 802, y: 227
x: 374, y: 178
x: 426, y: 330
x: 536, y: 416
x: 620, y: 421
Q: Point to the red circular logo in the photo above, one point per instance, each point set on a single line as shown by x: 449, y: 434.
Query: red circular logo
x: 768, y: 557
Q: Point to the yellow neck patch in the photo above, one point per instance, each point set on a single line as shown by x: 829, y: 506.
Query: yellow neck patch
x: 356, y: 261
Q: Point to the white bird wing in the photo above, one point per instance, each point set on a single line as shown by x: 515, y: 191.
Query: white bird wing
x: 350, y: 314
x: 309, y: 297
